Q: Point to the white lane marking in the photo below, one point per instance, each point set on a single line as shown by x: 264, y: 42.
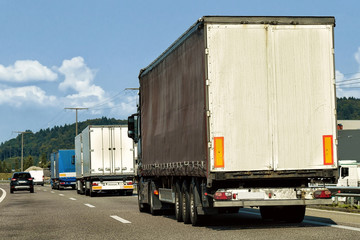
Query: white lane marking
x: 120, y: 219
x: 333, y: 225
x: 52, y: 192
x: 316, y: 223
x: 72, y: 199
x: 89, y: 205
x: 61, y: 194
x: 44, y: 190
x: 3, y: 195
x: 329, y: 211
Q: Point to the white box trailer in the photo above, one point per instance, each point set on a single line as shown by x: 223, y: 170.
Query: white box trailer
x: 239, y: 112
x: 37, y: 173
x: 104, y: 160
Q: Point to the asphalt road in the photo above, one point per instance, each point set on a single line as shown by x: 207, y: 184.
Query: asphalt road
x: 63, y: 214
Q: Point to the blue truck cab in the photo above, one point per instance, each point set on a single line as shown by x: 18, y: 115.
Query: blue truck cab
x: 63, y: 172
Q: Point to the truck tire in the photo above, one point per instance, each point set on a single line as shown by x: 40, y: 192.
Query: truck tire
x: 152, y: 199
x: 92, y: 193
x: 178, y: 204
x: 87, y: 190
x: 267, y: 213
x: 185, y: 199
x: 289, y: 214
x: 194, y: 216
x: 293, y: 214
x: 142, y: 206
x: 81, y: 188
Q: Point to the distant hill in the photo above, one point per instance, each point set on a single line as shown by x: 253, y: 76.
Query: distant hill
x: 39, y: 146
x: 348, y: 108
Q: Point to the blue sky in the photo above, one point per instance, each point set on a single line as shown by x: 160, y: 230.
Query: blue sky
x: 84, y: 53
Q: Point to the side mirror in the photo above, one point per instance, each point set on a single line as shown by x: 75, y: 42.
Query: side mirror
x: 132, y: 127
x: 344, y: 172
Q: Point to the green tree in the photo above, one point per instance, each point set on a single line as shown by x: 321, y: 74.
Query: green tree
x: 42, y: 161
x: 29, y: 161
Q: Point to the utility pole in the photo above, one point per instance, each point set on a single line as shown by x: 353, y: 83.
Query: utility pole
x: 76, y: 109
x: 22, y: 148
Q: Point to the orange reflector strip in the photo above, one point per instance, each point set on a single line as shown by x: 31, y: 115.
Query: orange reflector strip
x: 219, y: 152
x: 328, y: 150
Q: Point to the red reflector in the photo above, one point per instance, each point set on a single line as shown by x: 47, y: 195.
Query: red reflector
x: 156, y: 192
x: 234, y: 196
x: 129, y: 183
x: 62, y: 183
x: 206, y: 194
x: 322, y: 194
x: 95, y: 184
x: 222, y: 196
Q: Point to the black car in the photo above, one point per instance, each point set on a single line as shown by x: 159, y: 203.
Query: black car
x: 21, y: 181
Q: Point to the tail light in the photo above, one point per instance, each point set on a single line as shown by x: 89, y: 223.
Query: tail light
x: 322, y: 194
x: 30, y: 179
x: 62, y: 183
x: 129, y: 183
x: 95, y: 184
x: 156, y: 192
x: 13, y: 179
x: 223, y: 196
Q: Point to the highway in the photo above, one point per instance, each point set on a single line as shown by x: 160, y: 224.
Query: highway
x: 63, y: 214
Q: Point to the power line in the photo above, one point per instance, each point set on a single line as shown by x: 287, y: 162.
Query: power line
x: 348, y: 80
x: 22, y: 148
x: 76, y: 109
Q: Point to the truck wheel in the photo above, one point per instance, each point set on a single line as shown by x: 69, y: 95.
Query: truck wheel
x: 142, y: 206
x: 92, y: 193
x: 178, y: 205
x: 87, y: 191
x: 152, y: 199
x: 194, y: 216
x: 294, y: 214
x: 11, y: 191
x: 267, y: 213
x: 185, y: 199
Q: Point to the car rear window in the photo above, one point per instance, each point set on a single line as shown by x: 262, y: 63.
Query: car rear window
x: 22, y: 175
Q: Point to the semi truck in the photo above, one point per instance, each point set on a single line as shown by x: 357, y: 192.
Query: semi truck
x: 63, y: 169
x: 349, y: 173
x: 104, y: 160
x: 239, y: 112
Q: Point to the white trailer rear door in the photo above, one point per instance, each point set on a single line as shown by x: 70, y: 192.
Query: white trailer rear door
x: 271, y: 97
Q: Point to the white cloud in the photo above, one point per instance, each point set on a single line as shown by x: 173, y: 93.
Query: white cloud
x: 25, y: 95
x: 349, y: 86
x: 79, y: 77
x: 25, y: 71
x: 126, y: 107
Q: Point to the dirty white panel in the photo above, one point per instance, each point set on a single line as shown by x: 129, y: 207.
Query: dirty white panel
x: 303, y: 63
x: 271, y: 96
x: 239, y: 95
x: 123, y: 153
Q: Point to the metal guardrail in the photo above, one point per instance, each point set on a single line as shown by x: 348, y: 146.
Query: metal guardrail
x: 347, y: 195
